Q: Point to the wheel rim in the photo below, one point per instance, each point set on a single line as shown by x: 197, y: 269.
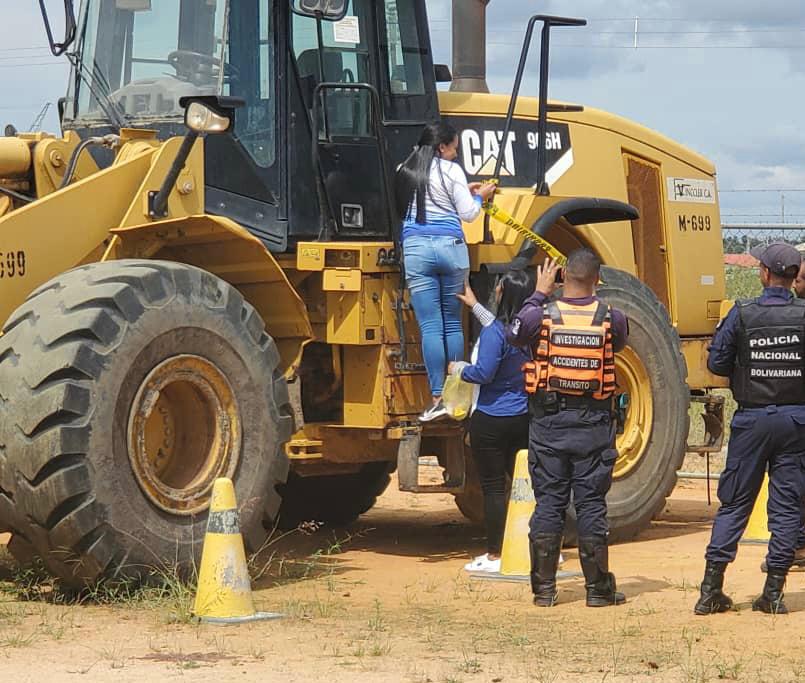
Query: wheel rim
x: 184, y: 432
x: 634, y: 380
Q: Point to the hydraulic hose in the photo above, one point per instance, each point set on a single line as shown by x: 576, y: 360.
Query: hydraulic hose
x: 111, y: 141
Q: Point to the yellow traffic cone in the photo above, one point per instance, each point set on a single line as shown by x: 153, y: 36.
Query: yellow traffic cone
x: 757, y: 531
x: 224, y: 594
x: 515, y: 559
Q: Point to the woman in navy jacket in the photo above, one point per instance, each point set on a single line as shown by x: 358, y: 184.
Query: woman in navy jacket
x: 499, y: 425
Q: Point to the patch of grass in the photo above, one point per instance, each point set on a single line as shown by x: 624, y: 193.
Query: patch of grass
x: 683, y: 584
x: 319, y: 563
x: 378, y: 649
x: 113, y: 654
x: 430, y: 584
x: 29, y: 583
x: 731, y: 670
x: 644, y: 610
x: 318, y: 607
x: 168, y: 589
x: 516, y: 639
x: 742, y: 283
x: 469, y: 665
x: 12, y: 615
x: 376, y: 621
x: 17, y: 639
x: 696, y: 671
x: 186, y: 664
x: 256, y: 652
x: 629, y: 628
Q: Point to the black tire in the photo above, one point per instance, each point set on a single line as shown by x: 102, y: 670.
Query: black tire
x: 72, y: 358
x: 640, y: 494
x: 334, y: 500
x: 470, y: 502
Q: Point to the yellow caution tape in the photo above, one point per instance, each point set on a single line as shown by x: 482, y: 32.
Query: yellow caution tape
x: 500, y: 215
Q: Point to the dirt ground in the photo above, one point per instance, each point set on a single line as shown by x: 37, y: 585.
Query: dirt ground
x: 387, y: 600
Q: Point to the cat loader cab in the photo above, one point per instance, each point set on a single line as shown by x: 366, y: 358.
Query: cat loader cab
x: 362, y: 68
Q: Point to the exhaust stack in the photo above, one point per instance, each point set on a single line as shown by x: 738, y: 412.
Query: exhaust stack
x: 469, y: 46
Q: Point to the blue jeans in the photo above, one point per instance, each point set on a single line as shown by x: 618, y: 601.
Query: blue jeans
x: 435, y: 269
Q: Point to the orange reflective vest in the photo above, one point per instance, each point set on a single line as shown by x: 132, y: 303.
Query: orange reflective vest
x: 573, y: 354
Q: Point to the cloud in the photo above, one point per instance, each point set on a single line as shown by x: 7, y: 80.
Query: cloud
x: 780, y: 148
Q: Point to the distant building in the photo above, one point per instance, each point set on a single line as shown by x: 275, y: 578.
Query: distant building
x: 745, y: 260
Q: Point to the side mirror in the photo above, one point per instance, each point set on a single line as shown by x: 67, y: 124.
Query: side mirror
x: 443, y: 74
x: 330, y: 10
x: 211, y: 115
x: 65, y: 27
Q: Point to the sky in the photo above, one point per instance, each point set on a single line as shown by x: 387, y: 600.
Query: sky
x: 724, y: 77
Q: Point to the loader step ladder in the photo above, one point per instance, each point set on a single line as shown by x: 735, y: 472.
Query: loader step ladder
x: 328, y: 213
x: 408, y: 463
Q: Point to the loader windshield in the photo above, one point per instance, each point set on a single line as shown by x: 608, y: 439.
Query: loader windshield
x: 136, y: 58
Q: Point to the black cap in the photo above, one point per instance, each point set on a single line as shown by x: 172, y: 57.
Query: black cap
x: 777, y: 256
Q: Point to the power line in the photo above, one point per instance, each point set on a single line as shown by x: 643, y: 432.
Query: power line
x: 666, y: 47
x: 632, y: 46
x: 22, y: 61
x: 24, y: 49
x: 688, y: 20
x: 737, y: 31
x: 18, y: 66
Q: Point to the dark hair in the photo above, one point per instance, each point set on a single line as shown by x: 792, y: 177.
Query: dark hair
x: 583, y: 266
x: 517, y: 286
x: 412, y: 180
x: 784, y: 278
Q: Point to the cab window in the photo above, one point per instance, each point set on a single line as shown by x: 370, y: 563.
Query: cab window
x: 346, y: 59
x: 249, y: 73
x: 403, y: 48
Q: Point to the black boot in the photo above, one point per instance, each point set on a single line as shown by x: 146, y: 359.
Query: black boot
x: 545, y: 550
x: 771, y: 601
x: 712, y: 599
x: 598, y: 580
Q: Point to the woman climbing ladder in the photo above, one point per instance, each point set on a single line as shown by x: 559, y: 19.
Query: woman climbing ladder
x: 434, y: 197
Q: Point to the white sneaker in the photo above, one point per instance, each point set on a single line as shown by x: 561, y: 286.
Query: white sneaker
x: 482, y: 563
x: 435, y: 412
x: 561, y: 559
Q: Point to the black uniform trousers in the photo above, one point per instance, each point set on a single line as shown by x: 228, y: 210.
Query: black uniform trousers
x: 773, y: 439
x: 572, y: 450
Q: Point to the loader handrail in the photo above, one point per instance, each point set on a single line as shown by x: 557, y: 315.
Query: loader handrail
x: 542, y: 118
x: 59, y: 48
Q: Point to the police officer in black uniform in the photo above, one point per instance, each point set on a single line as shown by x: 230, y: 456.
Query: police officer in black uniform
x: 760, y: 346
x: 572, y: 430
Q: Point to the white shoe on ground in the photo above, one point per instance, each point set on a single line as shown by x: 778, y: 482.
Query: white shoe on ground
x: 482, y: 563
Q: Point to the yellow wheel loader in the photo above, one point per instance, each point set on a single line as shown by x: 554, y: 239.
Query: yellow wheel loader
x: 200, y: 276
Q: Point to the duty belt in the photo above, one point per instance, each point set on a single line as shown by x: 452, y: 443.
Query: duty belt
x: 552, y: 402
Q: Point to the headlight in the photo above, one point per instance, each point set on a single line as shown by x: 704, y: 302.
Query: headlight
x: 202, y: 119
